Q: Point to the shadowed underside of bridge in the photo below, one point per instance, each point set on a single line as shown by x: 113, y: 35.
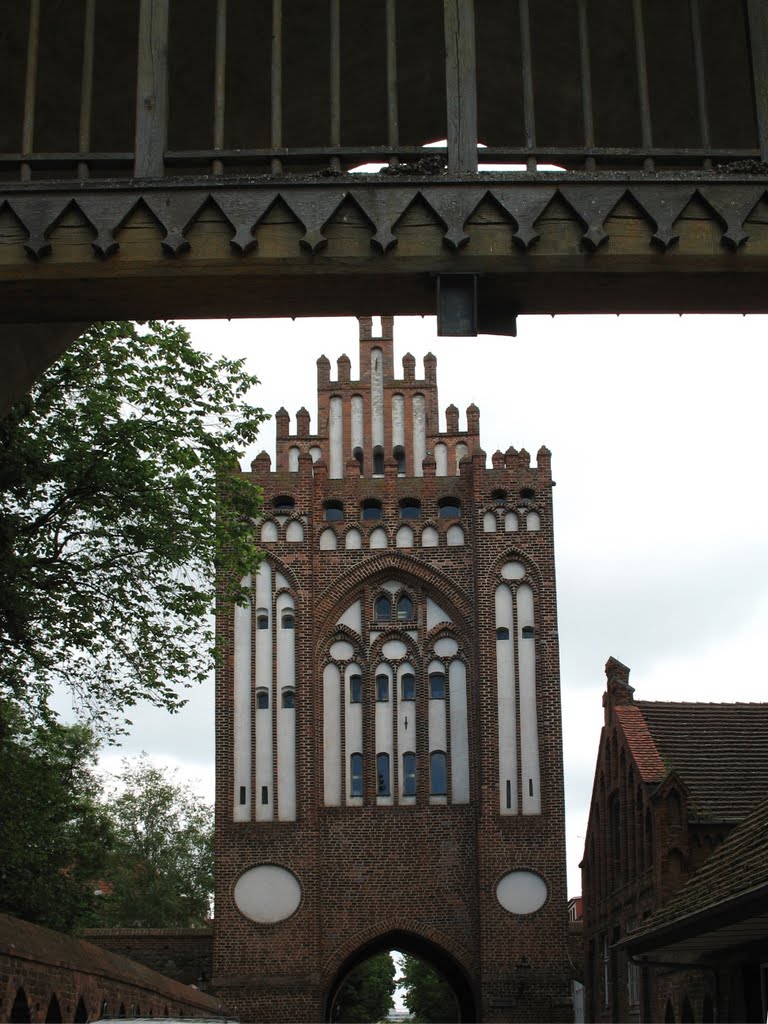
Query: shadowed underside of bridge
x: 193, y: 158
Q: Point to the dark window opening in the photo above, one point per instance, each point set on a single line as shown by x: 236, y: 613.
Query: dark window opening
x: 408, y: 686
x: 355, y: 689
x: 264, y: 795
x: 530, y: 787
x: 382, y: 609
x: 437, y: 686
x: 287, y: 620
x: 334, y: 512
x: 399, y: 456
x: 378, y: 461
x: 262, y: 622
x: 371, y: 510
x: 262, y: 699
x: 283, y: 504
x: 289, y: 699
x: 527, y: 632
x: 242, y: 794
x: 357, y: 455
x: 527, y: 494
x: 499, y: 497
x: 449, y: 509
x: 502, y: 633
x: 404, y: 608
x: 410, y: 509
x: 382, y: 687
x: 409, y: 774
x: 382, y: 775
x: 438, y: 774
x: 509, y: 794
x: 356, y: 775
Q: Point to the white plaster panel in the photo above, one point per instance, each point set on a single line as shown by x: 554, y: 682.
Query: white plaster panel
x: 459, y: 759
x: 529, y: 733
x: 398, y: 421
x: 419, y: 413
x: 441, y: 459
x: 286, y: 717
x: 435, y: 614
x: 336, y: 439
x: 342, y: 650
x: 293, y: 459
x: 353, y: 540
x: 510, y: 522
x: 406, y: 732
x: 331, y: 736
x: 454, y: 537
x: 522, y: 892
x: 267, y: 894
x: 506, y: 701
x: 353, y: 732
x: 384, y: 732
x: 446, y: 647
x: 429, y: 537
x: 328, y: 540
x: 461, y: 451
x: 392, y: 586
x: 242, y: 707
x: 377, y: 397
x: 263, y: 733
x: 533, y: 522
x: 295, y: 532
x: 357, y: 430
x: 315, y: 453
x: 268, y: 532
x: 378, y: 538
x: 489, y: 522
x: 394, y: 649
x: 281, y: 583
x: 353, y: 617
x: 513, y: 570
x: 404, y: 537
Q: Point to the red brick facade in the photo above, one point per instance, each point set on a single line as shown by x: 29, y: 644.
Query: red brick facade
x: 396, y: 862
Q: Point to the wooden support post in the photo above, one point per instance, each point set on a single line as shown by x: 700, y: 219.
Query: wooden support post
x: 461, y: 86
x: 758, y: 40
x: 26, y: 351
x: 152, y: 90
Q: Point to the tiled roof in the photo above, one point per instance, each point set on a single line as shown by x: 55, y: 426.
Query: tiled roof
x: 718, y: 750
x: 640, y: 741
x: 735, y: 870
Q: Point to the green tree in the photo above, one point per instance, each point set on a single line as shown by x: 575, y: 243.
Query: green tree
x: 366, y: 995
x: 428, y: 996
x: 116, y: 502
x: 160, y: 871
x: 54, y: 833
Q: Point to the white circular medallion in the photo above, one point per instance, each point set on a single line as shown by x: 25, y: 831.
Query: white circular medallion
x: 394, y: 649
x: 522, y: 892
x: 446, y: 647
x: 342, y: 650
x: 267, y: 894
x: 513, y: 570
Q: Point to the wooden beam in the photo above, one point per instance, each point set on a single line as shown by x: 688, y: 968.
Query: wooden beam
x: 152, y: 90
x: 460, y: 86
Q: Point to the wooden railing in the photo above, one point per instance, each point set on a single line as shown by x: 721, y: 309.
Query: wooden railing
x: 156, y: 88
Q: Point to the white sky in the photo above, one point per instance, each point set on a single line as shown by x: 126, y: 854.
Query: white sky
x: 657, y: 427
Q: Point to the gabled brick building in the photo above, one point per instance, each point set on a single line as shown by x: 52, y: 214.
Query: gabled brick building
x: 672, y: 781
x: 389, y: 766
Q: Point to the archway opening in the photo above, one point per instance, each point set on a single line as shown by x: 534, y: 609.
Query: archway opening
x: 373, y: 981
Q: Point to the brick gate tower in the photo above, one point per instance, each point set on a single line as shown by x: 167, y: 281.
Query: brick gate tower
x: 389, y: 763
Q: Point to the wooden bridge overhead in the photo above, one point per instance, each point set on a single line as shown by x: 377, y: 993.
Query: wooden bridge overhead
x: 195, y: 158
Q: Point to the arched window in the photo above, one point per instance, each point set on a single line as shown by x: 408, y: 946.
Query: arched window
x: 283, y: 503
x: 357, y: 455
x: 378, y: 461
x: 410, y: 509
x: 371, y: 510
x: 334, y: 512
x: 382, y: 775
x: 287, y: 620
x: 356, y: 775
x: 437, y: 685
x: 527, y: 494
x: 438, y: 774
x: 404, y: 608
x: 399, y: 456
x: 499, y: 497
x: 262, y: 700
x: 502, y: 633
x: 528, y: 632
x: 53, y: 1014
x: 382, y: 687
x: 449, y: 508
x: 355, y: 689
x: 382, y: 609
x: 262, y: 620
x: 408, y: 686
x: 289, y: 699
x: 409, y: 774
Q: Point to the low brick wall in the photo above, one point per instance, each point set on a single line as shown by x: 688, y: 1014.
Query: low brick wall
x: 184, y: 954
x: 47, y: 975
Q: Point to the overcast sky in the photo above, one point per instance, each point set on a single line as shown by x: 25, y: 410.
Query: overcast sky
x: 657, y: 427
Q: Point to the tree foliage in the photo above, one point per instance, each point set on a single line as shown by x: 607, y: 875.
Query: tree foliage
x: 366, y: 995
x: 428, y: 996
x: 116, y: 501
x: 54, y: 833
x: 159, y: 873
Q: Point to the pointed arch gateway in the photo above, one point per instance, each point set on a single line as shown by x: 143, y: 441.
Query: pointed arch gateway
x: 431, y: 951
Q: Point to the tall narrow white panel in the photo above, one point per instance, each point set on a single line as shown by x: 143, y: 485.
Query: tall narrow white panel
x: 461, y: 451
x: 242, y: 711
x: 332, y: 736
x: 336, y: 439
x: 377, y: 398
x: 419, y: 434
x: 398, y: 421
x: 529, y: 733
x: 404, y: 537
x: 293, y: 459
x: 353, y: 730
x: 457, y: 686
x: 437, y: 725
x: 406, y: 731
x: 286, y: 716
x: 441, y: 459
x: 506, y: 696
x: 384, y: 732
x: 263, y: 727
x: 357, y: 427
